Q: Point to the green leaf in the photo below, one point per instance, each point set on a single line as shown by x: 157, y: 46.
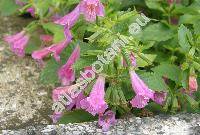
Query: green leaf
x: 196, y: 27
x: 154, y: 81
x: 42, y: 7
x: 154, y: 4
x: 127, y: 89
x: 72, y: 2
x: 188, y: 19
x: 83, y: 62
x: 156, y: 32
x: 33, y: 44
x: 170, y: 71
x: 185, y: 37
x: 57, y: 30
x: 49, y: 73
x: 115, y: 95
x: 184, y: 81
x: 8, y: 7
x: 141, y: 62
x: 76, y: 116
x: 167, y: 104
x: 175, y: 105
x: 194, y: 104
x: 89, y: 88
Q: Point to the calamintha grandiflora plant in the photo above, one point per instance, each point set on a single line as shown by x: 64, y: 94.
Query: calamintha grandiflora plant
x: 156, y: 71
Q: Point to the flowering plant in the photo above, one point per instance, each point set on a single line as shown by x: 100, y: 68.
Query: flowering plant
x: 153, y: 63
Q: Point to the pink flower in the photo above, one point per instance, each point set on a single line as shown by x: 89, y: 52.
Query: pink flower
x: 56, y: 17
x: 106, y: 120
x: 174, y: 20
x: 160, y: 97
x: 56, y: 116
x: 172, y: 1
x: 55, y: 49
x: 184, y: 91
x: 40, y: 55
x: 46, y: 38
x: 67, y: 33
x: 133, y: 61
x: 193, y: 85
x: 66, y: 73
x: 20, y: 3
x: 18, y: 43
x: 143, y: 93
x: 70, y: 19
x: 95, y: 103
x: 91, y: 9
x: 78, y: 100
x: 60, y: 91
x: 31, y: 10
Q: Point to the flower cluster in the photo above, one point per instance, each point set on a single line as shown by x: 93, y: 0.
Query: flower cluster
x: 97, y: 94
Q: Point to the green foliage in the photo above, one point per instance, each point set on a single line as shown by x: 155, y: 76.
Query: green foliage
x: 55, y: 29
x: 34, y: 43
x: 154, y: 81
x: 167, y: 49
x: 185, y: 38
x: 49, y: 73
x: 155, y: 4
x: 8, y: 7
x: 156, y: 32
x: 42, y: 7
x: 169, y: 71
x: 76, y: 116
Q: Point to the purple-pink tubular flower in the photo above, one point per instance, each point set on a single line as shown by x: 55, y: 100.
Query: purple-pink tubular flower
x: 160, y: 97
x: 20, y: 3
x: 77, y: 100
x: 91, y: 9
x: 56, y: 116
x: 70, y: 19
x: 95, y: 103
x: 143, y: 93
x: 60, y: 91
x: 193, y: 85
x: 67, y: 33
x: 174, y: 1
x: 55, y: 49
x: 31, y: 10
x: 18, y: 42
x: 107, y: 120
x: 133, y: 61
x: 40, y: 55
x: 56, y: 17
x: 66, y: 73
x: 46, y: 38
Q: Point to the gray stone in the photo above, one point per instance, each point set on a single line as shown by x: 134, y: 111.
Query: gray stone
x: 23, y: 100
x: 159, y: 125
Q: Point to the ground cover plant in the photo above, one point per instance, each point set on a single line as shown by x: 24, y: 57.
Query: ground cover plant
x: 128, y: 56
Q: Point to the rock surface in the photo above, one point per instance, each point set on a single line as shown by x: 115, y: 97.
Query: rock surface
x: 23, y: 100
x: 181, y: 124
